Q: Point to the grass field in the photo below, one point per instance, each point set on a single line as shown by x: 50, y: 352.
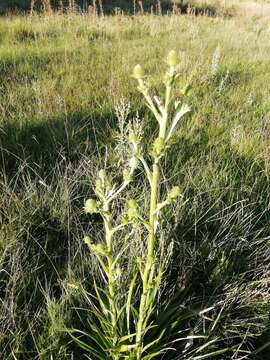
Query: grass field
x: 63, y: 79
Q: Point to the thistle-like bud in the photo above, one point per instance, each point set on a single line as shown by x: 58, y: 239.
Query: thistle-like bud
x: 132, y: 204
x: 99, y: 249
x: 159, y: 144
x: 172, y: 58
x: 174, y: 193
x: 123, y: 348
x: 158, y: 147
x: 90, y: 206
x: 138, y: 72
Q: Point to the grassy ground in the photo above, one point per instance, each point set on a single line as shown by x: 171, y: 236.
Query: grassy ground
x: 61, y: 79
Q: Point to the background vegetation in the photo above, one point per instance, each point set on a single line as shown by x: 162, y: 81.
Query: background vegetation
x: 109, y: 6
x: 62, y: 77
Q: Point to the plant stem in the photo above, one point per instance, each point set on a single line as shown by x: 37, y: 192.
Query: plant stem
x: 111, y: 278
x: 149, y: 269
x: 149, y: 260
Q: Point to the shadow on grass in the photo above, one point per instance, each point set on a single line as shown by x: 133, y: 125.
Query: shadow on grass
x: 38, y: 233
x: 39, y: 145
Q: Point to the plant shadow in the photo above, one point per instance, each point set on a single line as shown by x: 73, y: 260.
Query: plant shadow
x: 40, y: 145
x: 40, y: 239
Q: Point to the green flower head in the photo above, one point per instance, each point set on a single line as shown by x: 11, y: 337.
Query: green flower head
x: 174, y: 193
x: 138, y: 72
x: 172, y: 58
x: 132, y: 204
x: 158, y: 147
x: 90, y: 206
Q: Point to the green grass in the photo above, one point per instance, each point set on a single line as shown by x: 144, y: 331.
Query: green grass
x: 60, y: 80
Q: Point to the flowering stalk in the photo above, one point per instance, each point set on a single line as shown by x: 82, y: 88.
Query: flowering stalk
x: 106, y: 193
x: 161, y: 114
x: 116, y: 338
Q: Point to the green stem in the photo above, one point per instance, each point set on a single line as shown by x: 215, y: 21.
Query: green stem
x: 111, y: 278
x: 149, y: 260
x: 149, y: 269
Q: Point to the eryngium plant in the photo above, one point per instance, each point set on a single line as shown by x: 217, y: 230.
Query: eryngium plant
x: 112, y: 337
